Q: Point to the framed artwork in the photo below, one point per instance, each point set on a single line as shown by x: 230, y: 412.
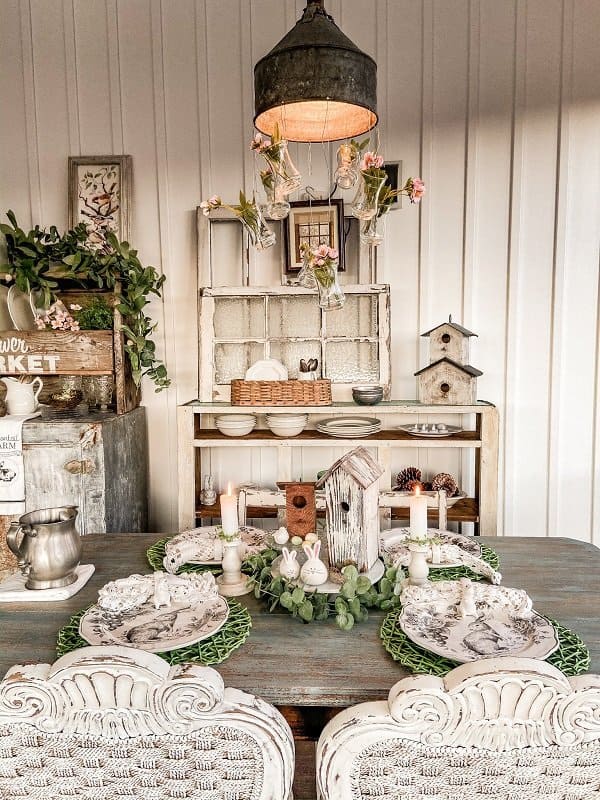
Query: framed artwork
x: 394, y: 173
x: 315, y: 222
x: 100, y: 195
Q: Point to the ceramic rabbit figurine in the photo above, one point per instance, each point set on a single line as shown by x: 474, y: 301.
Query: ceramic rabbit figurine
x: 313, y: 572
x: 289, y: 567
x: 466, y: 606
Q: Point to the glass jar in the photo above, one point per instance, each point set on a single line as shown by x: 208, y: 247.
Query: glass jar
x: 331, y: 296
x: 346, y: 173
x: 278, y: 158
x: 365, y: 204
x: 259, y: 233
x: 103, y: 385
x: 372, y: 231
x: 306, y: 276
x: 277, y: 205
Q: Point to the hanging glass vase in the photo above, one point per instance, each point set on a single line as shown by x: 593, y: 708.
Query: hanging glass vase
x: 372, y: 231
x: 346, y: 173
x: 331, y: 296
x: 277, y: 206
x: 282, y: 166
x: 306, y: 276
x: 364, y: 205
x: 259, y: 233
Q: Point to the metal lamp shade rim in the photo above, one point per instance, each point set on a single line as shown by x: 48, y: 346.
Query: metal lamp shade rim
x: 299, y: 130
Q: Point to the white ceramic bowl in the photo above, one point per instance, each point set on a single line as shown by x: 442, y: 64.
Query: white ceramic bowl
x: 235, y: 424
x: 286, y: 425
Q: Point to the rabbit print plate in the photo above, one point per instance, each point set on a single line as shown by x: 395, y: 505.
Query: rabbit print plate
x: 155, y: 613
x: 203, y: 546
x: 467, y: 621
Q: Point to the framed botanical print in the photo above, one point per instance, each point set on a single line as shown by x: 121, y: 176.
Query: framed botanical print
x: 100, y: 196
x: 312, y: 222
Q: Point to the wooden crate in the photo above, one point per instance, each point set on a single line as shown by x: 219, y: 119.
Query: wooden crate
x: 50, y: 353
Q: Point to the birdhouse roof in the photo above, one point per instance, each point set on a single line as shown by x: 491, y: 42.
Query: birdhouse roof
x: 451, y: 324
x: 359, y: 464
x: 473, y: 371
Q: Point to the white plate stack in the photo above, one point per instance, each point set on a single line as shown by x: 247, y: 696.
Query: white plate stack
x: 349, y: 427
x: 235, y: 424
x: 286, y: 425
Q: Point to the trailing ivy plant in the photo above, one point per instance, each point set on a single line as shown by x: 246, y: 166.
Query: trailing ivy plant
x: 41, y: 260
x: 357, y: 594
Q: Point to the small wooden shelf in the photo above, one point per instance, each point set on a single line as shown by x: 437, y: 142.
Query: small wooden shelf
x: 466, y: 510
x: 209, y: 437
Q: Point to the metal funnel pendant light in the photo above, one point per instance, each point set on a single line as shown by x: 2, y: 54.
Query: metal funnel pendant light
x: 315, y: 84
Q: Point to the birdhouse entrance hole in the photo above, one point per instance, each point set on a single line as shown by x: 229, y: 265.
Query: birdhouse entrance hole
x: 445, y: 388
x: 345, y: 506
x: 299, y: 501
x: 445, y: 338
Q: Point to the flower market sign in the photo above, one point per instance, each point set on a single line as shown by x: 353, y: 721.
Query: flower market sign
x: 56, y: 352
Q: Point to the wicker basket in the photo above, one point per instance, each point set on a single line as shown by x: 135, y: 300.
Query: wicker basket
x: 280, y: 393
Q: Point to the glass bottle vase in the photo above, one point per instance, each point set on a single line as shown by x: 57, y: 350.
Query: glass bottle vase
x: 277, y: 205
x: 259, y: 233
x: 372, y: 231
x: 306, y: 276
x: 365, y: 203
x: 346, y: 173
x: 331, y: 296
x: 279, y: 160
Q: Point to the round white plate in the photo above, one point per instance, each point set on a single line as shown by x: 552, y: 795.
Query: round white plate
x: 450, y: 431
x: 350, y: 422
x: 6, y: 323
x: 181, y: 624
x: 499, y: 629
x: 254, y: 539
x: 19, y: 308
x: 267, y: 369
x: 392, y: 544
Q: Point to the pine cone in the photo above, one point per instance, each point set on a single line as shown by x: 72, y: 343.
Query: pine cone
x: 426, y: 486
x: 407, y: 475
x: 445, y: 481
x: 410, y: 486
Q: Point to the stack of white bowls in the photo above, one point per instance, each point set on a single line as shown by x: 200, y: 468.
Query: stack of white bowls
x: 235, y: 424
x: 287, y: 425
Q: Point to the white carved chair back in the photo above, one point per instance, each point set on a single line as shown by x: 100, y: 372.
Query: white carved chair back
x: 267, y: 498
x: 511, y: 729
x: 114, y: 722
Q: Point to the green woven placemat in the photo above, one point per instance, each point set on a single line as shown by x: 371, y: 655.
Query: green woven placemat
x: 571, y: 658
x: 208, y: 652
x: 156, y: 553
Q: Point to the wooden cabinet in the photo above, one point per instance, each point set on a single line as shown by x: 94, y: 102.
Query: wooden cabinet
x: 98, y: 462
x: 198, y: 434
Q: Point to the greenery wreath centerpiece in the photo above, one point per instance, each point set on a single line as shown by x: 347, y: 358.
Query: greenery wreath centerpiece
x: 45, y: 261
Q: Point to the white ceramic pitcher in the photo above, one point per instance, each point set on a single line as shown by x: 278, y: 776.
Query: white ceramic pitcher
x: 22, y: 398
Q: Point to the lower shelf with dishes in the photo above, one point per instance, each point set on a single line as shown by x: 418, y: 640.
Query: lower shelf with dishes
x: 463, y: 436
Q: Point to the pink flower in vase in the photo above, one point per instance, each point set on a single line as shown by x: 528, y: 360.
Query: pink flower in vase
x: 371, y: 159
x: 416, y: 189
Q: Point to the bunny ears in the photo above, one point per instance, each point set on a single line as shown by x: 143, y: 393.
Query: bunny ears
x: 312, y: 551
x: 287, y: 555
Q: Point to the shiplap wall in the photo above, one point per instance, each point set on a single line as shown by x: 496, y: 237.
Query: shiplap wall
x: 494, y: 103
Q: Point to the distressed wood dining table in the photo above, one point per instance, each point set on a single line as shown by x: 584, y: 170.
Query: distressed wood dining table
x: 310, y: 671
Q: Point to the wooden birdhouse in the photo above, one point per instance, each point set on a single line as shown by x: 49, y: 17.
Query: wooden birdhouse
x: 352, y: 510
x: 300, y: 508
x: 449, y: 340
x: 445, y: 382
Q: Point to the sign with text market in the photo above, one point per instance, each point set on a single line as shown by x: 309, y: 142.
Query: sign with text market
x: 56, y: 352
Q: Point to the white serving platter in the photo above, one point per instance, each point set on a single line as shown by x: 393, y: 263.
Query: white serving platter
x: 192, y: 611
x: 430, y: 434
x: 503, y: 623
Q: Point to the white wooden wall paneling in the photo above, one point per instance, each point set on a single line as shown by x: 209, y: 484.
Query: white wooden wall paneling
x: 495, y: 105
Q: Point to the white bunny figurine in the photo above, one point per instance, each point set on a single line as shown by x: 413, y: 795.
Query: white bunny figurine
x: 162, y: 595
x: 467, y: 606
x: 289, y: 567
x: 313, y: 572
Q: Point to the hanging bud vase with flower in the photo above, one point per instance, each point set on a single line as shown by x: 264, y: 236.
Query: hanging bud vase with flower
x: 364, y: 205
x: 277, y: 206
x: 249, y: 214
x: 372, y: 231
x: 348, y: 156
x: 323, y: 262
x: 285, y: 177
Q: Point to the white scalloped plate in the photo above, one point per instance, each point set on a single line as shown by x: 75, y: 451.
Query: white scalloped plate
x: 391, y: 544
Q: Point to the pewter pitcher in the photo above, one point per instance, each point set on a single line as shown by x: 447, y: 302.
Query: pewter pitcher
x: 48, y: 546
